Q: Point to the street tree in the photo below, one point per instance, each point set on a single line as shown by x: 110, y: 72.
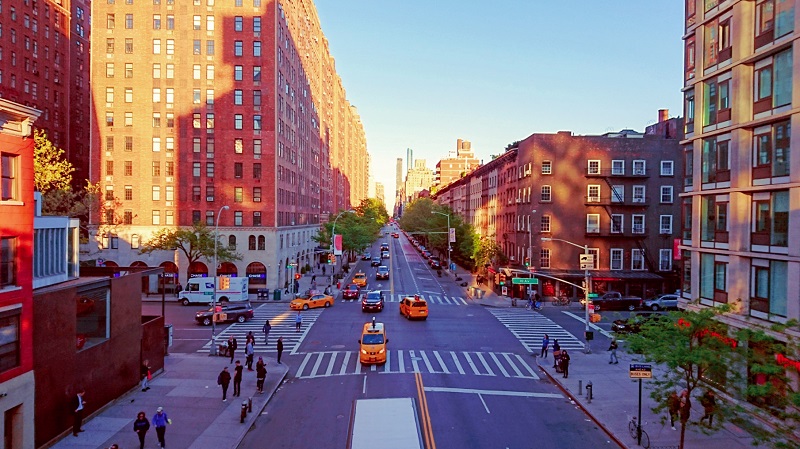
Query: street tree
x: 700, y: 352
x: 195, y: 243
x: 488, y: 252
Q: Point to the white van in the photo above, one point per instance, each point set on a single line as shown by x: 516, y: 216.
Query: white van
x: 201, y: 290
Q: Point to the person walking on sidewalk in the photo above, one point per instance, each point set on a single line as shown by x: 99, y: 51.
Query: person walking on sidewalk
x: 146, y: 375
x: 261, y: 374
x: 249, y: 351
x: 674, y: 407
x: 280, y: 348
x: 686, y: 407
x: 224, y: 379
x: 545, y: 345
x: 160, y: 421
x: 298, y: 321
x: 565, y: 363
x: 556, y: 354
x: 266, y: 329
x: 77, y: 421
x: 141, y: 426
x: 612, y: 358
x: 709, y: 403
x: 232, y: 346
x: 237, y: 379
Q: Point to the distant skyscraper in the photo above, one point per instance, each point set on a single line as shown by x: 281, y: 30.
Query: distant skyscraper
x: 409, y: 159
x: 398, y: 179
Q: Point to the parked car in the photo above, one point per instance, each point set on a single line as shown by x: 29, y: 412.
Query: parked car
x: 426, y: 254
x: 351, y: 291
x: 615, y: 301
x: 667, y: 301
x: 633, y: 324
x: 376, y: 262
x: 372, y: 301
x: 315, y: 299
x: 434, y: 262
x: 232, y: 311
x: 382, y: 273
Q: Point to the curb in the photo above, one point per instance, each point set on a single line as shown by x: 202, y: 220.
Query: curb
x: 580, y: 405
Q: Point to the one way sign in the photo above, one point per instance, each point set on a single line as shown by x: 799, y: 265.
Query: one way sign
x: 587, y: 261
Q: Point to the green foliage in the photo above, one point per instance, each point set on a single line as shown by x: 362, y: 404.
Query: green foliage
x: 195, y: 243
x: 488, y: 252
x: 419, y: 220
x: 51, y: 170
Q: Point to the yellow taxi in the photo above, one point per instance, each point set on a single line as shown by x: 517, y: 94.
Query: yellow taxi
x: 312, y: 300
x: 414, y: 307
x: 373, y: 343
x: 360, y: 279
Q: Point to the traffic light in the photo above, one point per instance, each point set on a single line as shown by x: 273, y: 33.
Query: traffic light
x: 224, y: 283
x: 297, y: 276
x: 502, y: 279
x: 527, y: 261
x: 331, y: 259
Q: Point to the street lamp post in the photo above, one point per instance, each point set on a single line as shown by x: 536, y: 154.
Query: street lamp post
x: 214, y: 298
x: 587, y: 288
x: 448, y: 235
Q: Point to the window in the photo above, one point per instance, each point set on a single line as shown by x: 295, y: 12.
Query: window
x: 238, y: 146
x: 209, y: 48
x: 593, y: 167
x: 155, y: 168
x: 238, y: 22
x: 129, y: 21
x: 715, y: 161
x: 209, y: 121
x: 637, y: 223
x: 10, y: 341
x: 257, y: 148
x: 256, y: 194
x: 196, y: 22
x: 8, y: 262
x: 773, y: 82
x: 666, y: 168
x: 547, y: 167
x: 156, y: 21
x: 257, y: 221
x: 156, y: 217
x: 237, y: 170
x: 237, y: 73
x: 257, y: 75
x: 237, y: 97
x: 593, y: 194
x: 128, y: 193
x: 771, y: 149
x: 666, y: 194
x: 257, y: 48
x: 209, y: 72
x: 238, y: 121
x: 210, y: 194
x: 9, y: 186
x: 237, y: 48
x: 638, y: 194
x: 618, y: 194
x: 773, y: 20
x: 109, y: 118
x: 771, y: 221
x: 616, y: 259
x: 196, y: 45
x: 210, y: 218
x: 592, y: 223
x: 617, y: 223
x: 544, y: 223
x: 665, y: 226
x: 156, y: 46
x: 546, y: 194
x: 196, y: 169
x: 170, y: 46
x: 109, y: 70
x: 128, y: 143
x: 156, y: 193
x: 128, y: 46
x: 256, y: 171
x: 544, y: 258
x: 637, y: 259
x: 256, y: 25
x: 170, y: 22
x: 109, y: 143
x: 769, y: 288
x: 639, y: 168
x: 110, y: 21
x: 110, y: 45
x: 209, y: 23
x: 209, y: 169
x: 237, y: 219
x: 665, y: 259
x: 617, y: 167
x: 256, y: 122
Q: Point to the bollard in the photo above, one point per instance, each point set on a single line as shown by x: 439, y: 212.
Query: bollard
x: 580, y: 387
x: 244, y: 412
x: 250, y: 404
x: 589, y: 391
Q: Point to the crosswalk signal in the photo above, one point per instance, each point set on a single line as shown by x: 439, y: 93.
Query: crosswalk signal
x: 297, y: 276
x: 224, y: 283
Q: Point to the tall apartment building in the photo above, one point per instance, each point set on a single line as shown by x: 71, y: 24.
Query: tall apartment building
x: 460, y: 161
x: 418, y: 179
x: 741, y: 183
x: 220, y: 104
x: 44, y: 64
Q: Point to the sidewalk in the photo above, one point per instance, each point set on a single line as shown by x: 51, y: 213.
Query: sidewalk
x: 616, y: 396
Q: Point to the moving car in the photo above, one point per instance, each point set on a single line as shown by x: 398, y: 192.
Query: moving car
x: 239, y: 312
x: 615, y: 301
x: 373, y: 343
x: 366, y: 256
x: 395, y: 235
x: 667, y: 301
x: 313, y: 300
x: 384, y: 254
x: 360, y: 279
x: 351, y: 291
x: 385, y: 246
x: 372, y: 301
x: 633, y: 324
x: 376, y: 262
x: 414, y: 307
x: 382, y: 273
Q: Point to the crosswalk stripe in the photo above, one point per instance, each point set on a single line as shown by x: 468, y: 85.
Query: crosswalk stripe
x: 529, y: 328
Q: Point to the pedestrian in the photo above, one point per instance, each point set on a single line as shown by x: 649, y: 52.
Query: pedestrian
x: 147, y: 376
x: 280, y: 348
x: 709, y: 403
x: 612, y: 358
x: 250, y: 337
x: 565, y: 363
x: 232, y: 346
x: 249, y: 351
x: 77, y: 421
x: 141, y: 426
x: 537, y: 301
x: 178, y: 290
x: 545, y: 345
x: 160, y: 421
x: 224, y: 379
x: 313, y: 278
x: 261, y: 374
x: 266, y: 330
x: 298, y: 321
x: 686, y: 407
x: 296, y: 286
x: 556, y: 353
x: 674, y: 407
x: 323, y: 270
x: 237, y: 379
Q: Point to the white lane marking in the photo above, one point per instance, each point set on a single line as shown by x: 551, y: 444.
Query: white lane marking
x: 530, y: 370
x: 331, y: 362
x: 303, y: 364
x: 486, y: 407
x: 592, y: 325
x: 499, y: 365
x: 427, y: 362
x: 400, y: 362
x: 315, y: 370
x: 364, y: 388
x: 511, y: 363
x: 472, y: 364
x: 458, y: 364
x: 441, y: 362
x: 485, y: 364
x: 345, y: 363
x: 519, y: 394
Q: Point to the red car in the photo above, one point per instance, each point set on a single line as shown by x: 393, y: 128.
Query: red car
x: 351, y: 291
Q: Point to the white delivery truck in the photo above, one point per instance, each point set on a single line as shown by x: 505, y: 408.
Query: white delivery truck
x: 201, y: 290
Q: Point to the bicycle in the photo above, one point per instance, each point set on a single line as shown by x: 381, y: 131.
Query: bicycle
x: 561, y: 301
x: 634, y: 429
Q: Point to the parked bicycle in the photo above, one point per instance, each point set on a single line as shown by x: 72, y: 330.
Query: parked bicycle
x: 561, y: 301
x: 634, y: 429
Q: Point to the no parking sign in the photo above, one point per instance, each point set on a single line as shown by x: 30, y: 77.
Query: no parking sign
x: 505, y: 290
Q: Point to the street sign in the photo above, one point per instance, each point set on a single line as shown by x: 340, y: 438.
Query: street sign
x: 587, y: 261
x: 525, y: 281
x: 505, y: 291
x: 641, y: 371
x: 452, y: 235
x: 594, y: 295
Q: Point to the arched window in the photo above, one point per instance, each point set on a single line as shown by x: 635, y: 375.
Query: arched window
x: 232, y: 242
x: 262, y: 243
x: 251, y: 243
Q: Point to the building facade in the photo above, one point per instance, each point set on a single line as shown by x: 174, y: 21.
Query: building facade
x: 741, y: 184
x: 213, y: 105
x: 418, y: 179
x: 458, y: 163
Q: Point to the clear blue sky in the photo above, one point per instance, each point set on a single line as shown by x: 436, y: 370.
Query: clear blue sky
x: 424, y: 73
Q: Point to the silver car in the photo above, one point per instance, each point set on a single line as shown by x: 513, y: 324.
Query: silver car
x: 662, y: 302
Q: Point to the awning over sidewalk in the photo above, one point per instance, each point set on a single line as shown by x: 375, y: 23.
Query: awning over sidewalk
x: 603, y: 275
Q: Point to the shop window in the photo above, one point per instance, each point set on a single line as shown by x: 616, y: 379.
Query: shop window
x: 92, y: 307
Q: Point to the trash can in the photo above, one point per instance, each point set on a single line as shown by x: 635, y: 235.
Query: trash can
x: 479, y: 293
x: 276, y: 295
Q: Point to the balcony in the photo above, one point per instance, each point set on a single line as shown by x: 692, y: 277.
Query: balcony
x: 611, y: 201
x: 636, y: 173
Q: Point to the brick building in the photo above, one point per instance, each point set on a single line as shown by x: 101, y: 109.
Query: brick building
x: 458, y: 163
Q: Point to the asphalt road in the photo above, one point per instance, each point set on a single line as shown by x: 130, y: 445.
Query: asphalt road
x: 481, y: 384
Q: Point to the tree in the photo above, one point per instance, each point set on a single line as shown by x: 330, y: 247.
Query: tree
x: 51, y: 170
x: 195, y: 243
x: 700, y: 351
x: 487, y: 252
